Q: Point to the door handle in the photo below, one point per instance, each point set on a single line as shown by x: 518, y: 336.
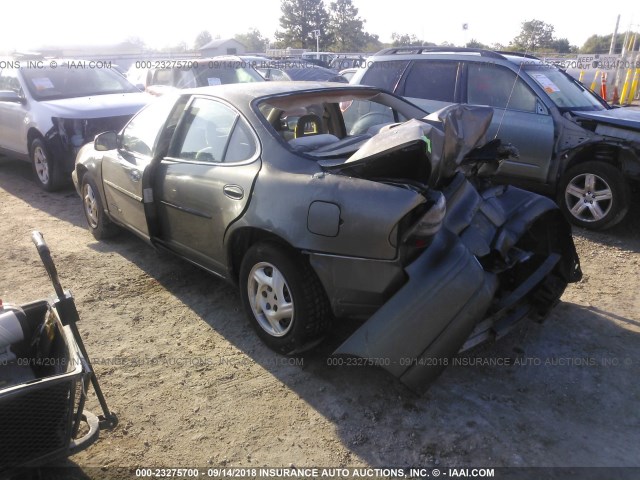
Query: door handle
x: 234, y: 192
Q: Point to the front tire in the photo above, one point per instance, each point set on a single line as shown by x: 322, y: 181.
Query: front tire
x: 46, y: 173
x: 283, y: 298
x: 594, y: 195
x: 100, y: 225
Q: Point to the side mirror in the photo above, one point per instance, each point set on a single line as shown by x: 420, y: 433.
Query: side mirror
x: 11, y: 96
x: 106, y: 141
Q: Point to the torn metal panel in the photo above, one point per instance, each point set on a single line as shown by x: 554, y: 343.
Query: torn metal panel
x: 502, y: 255
x: 447, y: 291
x: 428, y: 150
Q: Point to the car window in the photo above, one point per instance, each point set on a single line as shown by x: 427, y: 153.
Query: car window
x: 498, y: 87
x: 50, y: 82
x: 9, y: 81
x: 186, y: 79
x: 140, y: 134
x: 384, y: 74
x: 162, y: 77
x: 565, y: 93
x: 215, y: 73
x: 432, y: 80
x: 360, y: 115
x: 214, y: 132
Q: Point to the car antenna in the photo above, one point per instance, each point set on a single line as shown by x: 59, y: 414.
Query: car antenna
x: 513, y: 87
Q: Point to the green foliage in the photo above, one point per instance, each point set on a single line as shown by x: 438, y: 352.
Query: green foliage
x: 537, y: 36
x: 473, y: 43
x: 602, y: 43
x: 562, y: 45
x: 373, y: 43
x: 298, y: 21
x: 253, y: 40
x: 346, y: 28
x: 202, y: 39
x: 534, y: 35
x: 402, y: 39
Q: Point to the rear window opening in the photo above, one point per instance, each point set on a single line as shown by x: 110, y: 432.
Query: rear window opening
x: 331, y: 126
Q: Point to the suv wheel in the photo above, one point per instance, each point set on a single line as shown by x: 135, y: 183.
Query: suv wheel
x: 594, y: 195
x: 43, y: 167
x: 283, y: 298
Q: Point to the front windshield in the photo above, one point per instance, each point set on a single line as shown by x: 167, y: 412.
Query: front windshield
x: 566, y: 94
x: 65, y: 82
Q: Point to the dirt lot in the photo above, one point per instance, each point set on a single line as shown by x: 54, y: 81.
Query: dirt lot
x: 193, y: 386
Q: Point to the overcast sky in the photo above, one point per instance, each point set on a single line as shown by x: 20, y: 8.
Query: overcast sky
x: 75, y: 22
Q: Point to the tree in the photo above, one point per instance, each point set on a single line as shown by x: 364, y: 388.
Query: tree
x: 473, y: 43
x: 298, y: 21
x: 136, y: 41
x: 534, y: 35
x: 562, y: 45
x: 202, y: 39
x: 253, y: 40
x: 372, y: 43
x: 346, y: 28
x: 401, y: 39
x: 601, y: 44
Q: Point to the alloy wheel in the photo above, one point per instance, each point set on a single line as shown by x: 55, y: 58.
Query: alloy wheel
x: 270, y: 299
x: 588, y: 197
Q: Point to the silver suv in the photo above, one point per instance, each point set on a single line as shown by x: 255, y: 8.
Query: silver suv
x: 50, y: 108
x: 572, y: 144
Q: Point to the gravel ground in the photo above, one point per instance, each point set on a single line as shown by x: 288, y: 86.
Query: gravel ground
x: 193, y: 386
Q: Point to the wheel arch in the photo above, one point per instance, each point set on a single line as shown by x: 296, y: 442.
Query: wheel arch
x: 241, y: 240
x: 620, y: 156
x: 32, y: 134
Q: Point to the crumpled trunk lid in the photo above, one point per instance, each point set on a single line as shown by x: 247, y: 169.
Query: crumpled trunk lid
x: 429, y: 150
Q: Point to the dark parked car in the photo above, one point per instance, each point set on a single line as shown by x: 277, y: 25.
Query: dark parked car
x: 263, y: 185
x: 50, y: 108
x: 573, y: 145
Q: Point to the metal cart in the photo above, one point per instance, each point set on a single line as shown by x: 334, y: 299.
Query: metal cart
x: 45, y: 375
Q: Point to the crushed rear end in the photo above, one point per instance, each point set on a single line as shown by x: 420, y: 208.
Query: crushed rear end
x: 495, y: 254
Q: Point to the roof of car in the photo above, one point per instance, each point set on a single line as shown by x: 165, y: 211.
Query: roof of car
x: 515, y: 57
x: 260, y: 89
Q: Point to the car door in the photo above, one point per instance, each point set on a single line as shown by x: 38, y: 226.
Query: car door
x: 12, y: 114
x: 204, y: 183
x: 123, y: 169
x: 519, y: 118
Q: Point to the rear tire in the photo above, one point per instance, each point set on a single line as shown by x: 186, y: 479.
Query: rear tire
x: 594, y: 195
x: 100, y: 225
x: 283, y: 298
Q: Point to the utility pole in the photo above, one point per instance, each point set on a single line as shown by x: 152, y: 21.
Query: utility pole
x: 317, y: 34
x: 612, y: 48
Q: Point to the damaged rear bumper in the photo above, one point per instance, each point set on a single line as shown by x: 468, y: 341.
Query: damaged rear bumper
x: 503, y: 254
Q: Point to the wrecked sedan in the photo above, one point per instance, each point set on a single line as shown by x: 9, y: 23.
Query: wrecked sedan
x: 50, y: 108
x: 324, y: 202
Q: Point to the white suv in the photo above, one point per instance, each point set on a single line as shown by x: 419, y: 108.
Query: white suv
x: 50, y: 108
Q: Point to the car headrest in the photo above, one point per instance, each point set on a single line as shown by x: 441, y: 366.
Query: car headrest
x: 309, y: 124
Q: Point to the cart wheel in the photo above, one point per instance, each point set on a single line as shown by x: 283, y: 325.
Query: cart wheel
x: 99, y: 223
